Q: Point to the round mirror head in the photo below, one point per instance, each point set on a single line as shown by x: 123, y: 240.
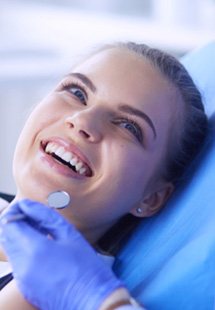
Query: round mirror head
x: 58, y: 199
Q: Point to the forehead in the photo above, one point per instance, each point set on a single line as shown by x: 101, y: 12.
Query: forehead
x: 123, y: 76
x: 122, y: 64
x: 127, y: 73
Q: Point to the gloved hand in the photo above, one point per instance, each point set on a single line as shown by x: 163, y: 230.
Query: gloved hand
x: 56, y: 270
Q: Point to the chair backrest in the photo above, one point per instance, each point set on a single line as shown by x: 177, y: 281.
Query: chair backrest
x: 169, y: 261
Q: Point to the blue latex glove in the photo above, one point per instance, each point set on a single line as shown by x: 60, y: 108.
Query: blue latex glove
x: 61, y: 272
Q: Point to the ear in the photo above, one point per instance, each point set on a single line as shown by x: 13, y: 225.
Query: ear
x: 154, y: 201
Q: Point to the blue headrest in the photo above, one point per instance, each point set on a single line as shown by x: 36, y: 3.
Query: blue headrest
x: 169, y: 261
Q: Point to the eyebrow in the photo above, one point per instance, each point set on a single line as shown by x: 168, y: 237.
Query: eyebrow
x: 128, y: 109
x: 84, y: 79
x: 123, y: 107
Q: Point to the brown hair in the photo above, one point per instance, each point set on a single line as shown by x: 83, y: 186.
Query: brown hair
x: 189, y: 140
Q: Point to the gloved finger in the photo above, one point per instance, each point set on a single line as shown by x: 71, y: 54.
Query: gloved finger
x: 10, y: 212
x: 47, y: 219
x: 11, y: 209
x: 3, y: 204
x: 19, y: 236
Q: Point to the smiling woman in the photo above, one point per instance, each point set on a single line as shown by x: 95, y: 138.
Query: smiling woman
x: 117, y: 134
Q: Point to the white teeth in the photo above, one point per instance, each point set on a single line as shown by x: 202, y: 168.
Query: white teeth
x: 74, y: 160
x: 66, y: 156
x: 53, y: 147
x: 82, y: 170
x: 47, y: 149
x: 59, y: 151
x: 79, y: 166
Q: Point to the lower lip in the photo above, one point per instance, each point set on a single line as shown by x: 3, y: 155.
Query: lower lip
x: 58, y: 167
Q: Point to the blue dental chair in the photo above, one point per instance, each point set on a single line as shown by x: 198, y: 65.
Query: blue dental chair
x: 169, y: 261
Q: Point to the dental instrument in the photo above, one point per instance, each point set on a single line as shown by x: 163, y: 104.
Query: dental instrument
x: 56, y: 200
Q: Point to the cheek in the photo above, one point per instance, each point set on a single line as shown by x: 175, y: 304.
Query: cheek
x: 129, y: 173
x: 44, y: 114
x: 132, y: 163
x: 37, y: 121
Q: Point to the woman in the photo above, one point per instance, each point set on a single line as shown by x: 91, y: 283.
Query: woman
x: 117, y: 134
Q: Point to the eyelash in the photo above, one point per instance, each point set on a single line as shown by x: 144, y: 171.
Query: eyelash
x: 138, y: 134
x: 68, y: 85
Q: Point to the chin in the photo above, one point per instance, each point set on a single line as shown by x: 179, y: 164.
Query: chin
x: 33, y: 195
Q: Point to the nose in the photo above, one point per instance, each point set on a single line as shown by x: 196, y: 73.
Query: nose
x: 87, y: 124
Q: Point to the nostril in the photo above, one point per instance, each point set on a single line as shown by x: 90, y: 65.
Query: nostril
x: 84, y: 134
x: 84, y: 128
x: 70, y: 125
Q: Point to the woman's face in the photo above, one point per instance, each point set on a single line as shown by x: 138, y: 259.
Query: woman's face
x: 101, y: 135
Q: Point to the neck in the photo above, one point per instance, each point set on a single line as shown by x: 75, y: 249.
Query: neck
x: 91, y: 234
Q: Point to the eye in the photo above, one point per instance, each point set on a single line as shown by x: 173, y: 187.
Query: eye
x: 132, y: 127
x: 76, y: 90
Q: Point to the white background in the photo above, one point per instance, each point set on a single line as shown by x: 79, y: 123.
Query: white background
x: 41, y: 39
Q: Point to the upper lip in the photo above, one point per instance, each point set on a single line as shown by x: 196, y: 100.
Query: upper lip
x: 70, y: 147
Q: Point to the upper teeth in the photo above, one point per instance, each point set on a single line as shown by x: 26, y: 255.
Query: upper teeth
x: 69, y: 157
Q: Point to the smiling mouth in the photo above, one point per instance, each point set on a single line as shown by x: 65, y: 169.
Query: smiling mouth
x: 67, y: 158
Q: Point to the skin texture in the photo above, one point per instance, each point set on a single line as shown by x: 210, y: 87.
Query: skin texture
x: 92, y: 123
x: 119, y: 161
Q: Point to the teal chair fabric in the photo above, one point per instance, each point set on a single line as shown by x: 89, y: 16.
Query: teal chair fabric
x: 169, y: 261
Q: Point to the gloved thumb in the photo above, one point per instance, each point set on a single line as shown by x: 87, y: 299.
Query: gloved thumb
x: 42, y: 218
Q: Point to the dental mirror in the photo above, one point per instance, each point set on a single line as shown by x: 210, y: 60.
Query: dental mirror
x: 58, y: 200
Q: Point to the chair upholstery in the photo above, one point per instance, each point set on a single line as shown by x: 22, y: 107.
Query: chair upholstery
x: 169, y: 261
